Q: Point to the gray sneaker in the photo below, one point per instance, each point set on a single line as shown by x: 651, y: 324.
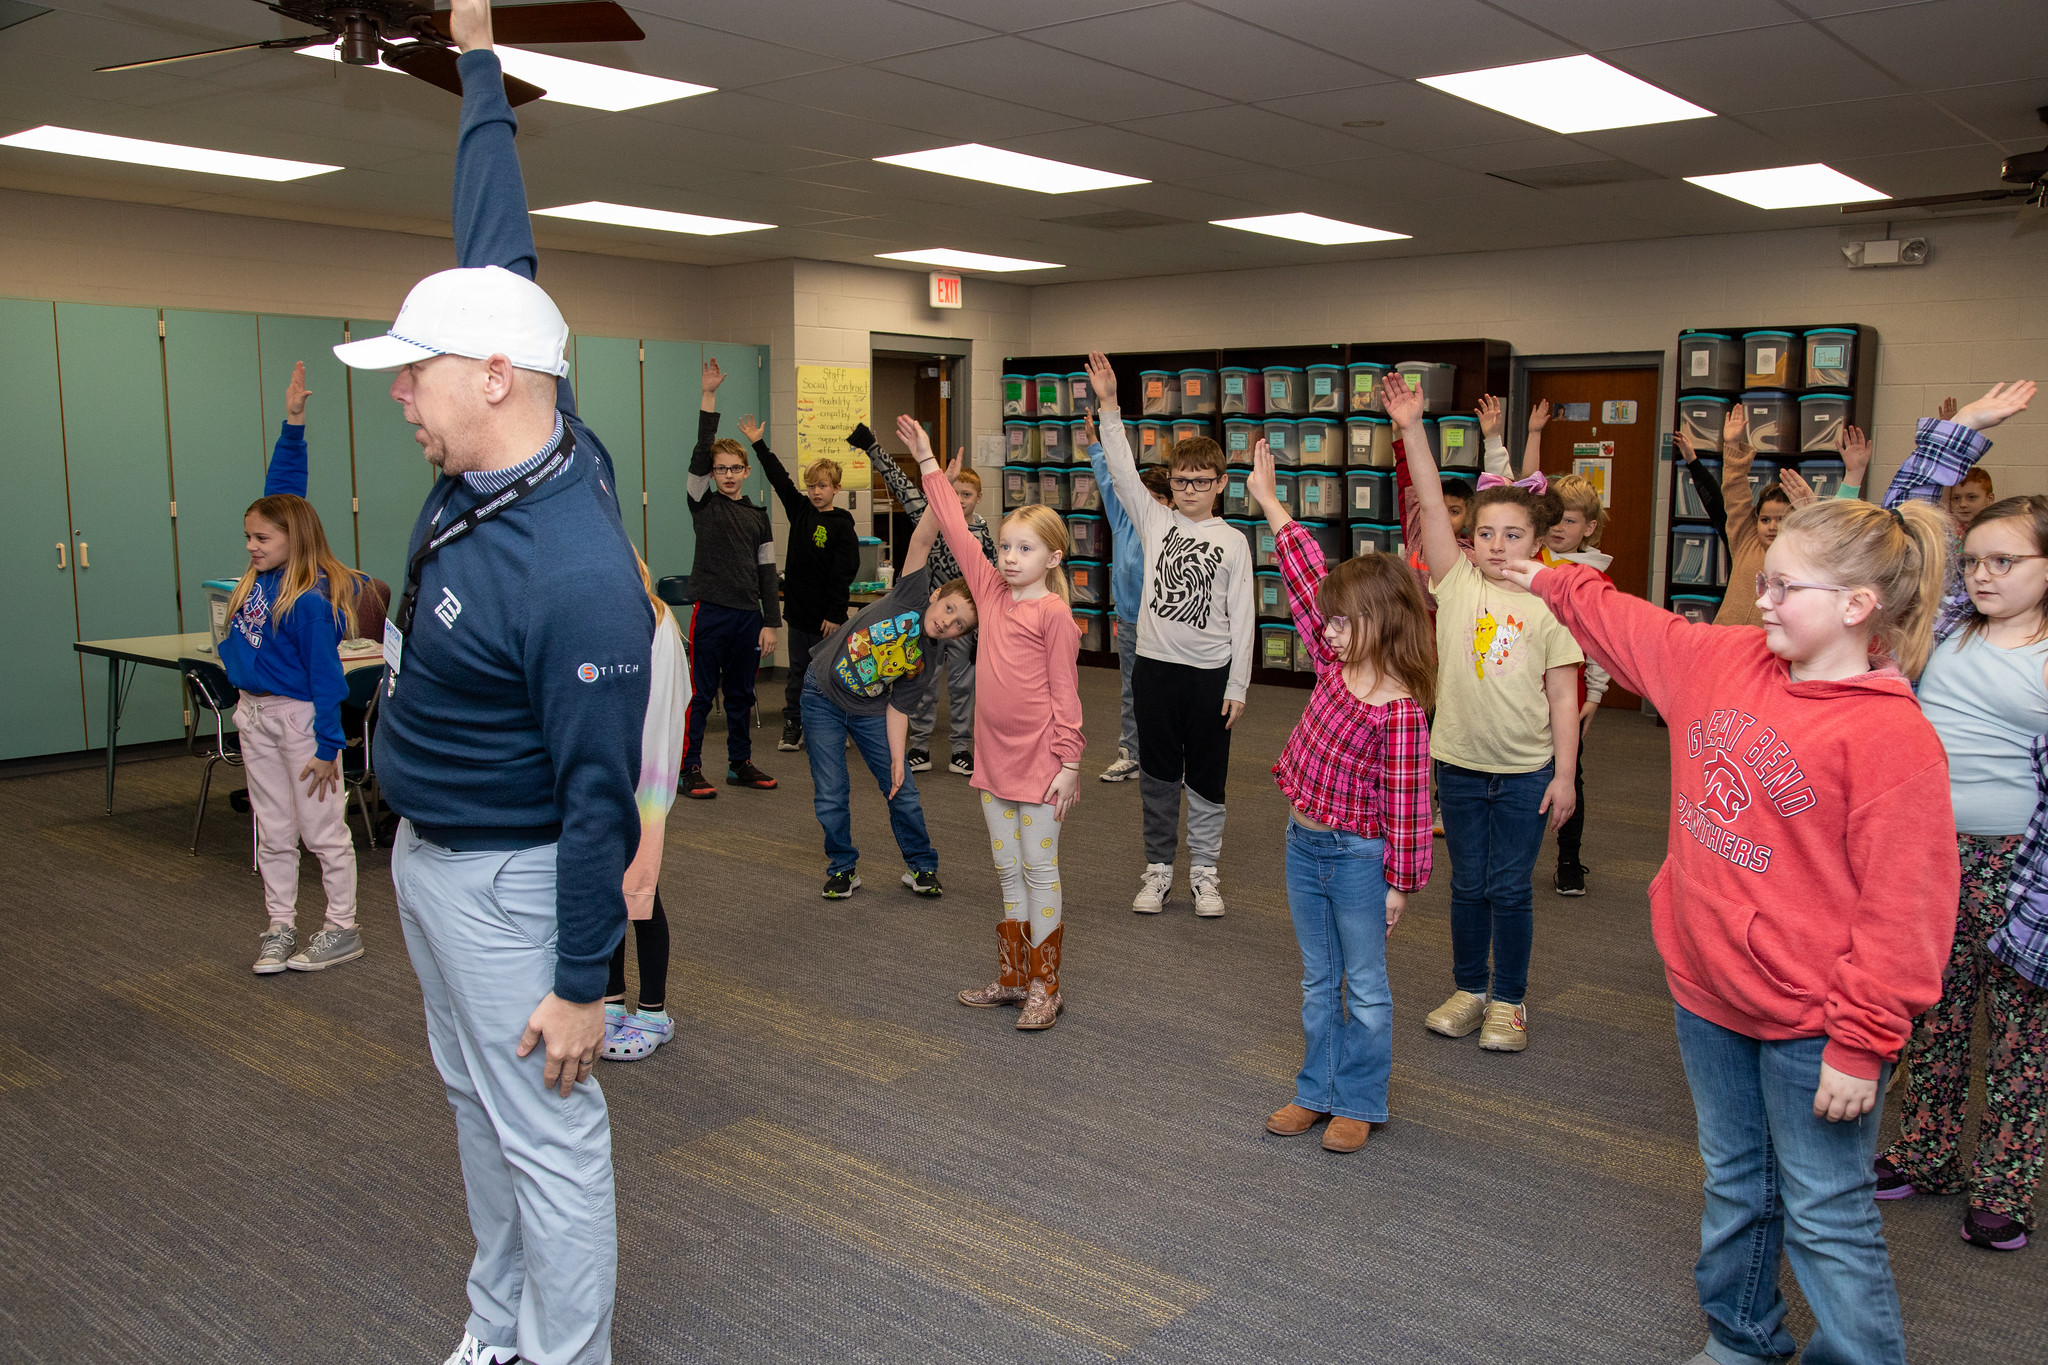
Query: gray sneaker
x: 277, y: 944
x: 328, y: 948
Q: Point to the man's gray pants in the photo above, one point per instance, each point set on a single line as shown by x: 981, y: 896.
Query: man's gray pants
x: 537, y: 1168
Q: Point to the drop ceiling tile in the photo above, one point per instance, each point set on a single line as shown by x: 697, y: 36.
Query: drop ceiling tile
x: 849, y: 30
x: 741, y: 114
x: 1762, y: 68
x: 1694, y: 147
x: 1519, y: 155
x: 1415, y: 40
x: 2006, y: 40
x: 2004, y: 111
x: 1597, y: 25
x: 1250, y: 133
x: 1907, y: 175
x: 944, y: 116
x: 1403, y: 177
x: 1051, y: 79
x: 1189, y: 45
x: 1821, y: 9
x: 1126, y: 153
x: 1192, y: 203
x: 1894, y: 123
x: 1412, y: 118
x: 709, y: 56
x: 1015, y: 16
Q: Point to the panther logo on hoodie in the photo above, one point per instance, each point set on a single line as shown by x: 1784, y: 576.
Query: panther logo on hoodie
x: 1724, y: 792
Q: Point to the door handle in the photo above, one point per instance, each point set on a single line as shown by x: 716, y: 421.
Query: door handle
x: 84, y: 560
x: 62, y: 563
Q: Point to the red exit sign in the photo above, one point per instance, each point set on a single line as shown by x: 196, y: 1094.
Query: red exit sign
x: 945, y: 289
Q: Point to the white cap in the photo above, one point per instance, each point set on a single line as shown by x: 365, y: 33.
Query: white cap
x: 477, y: 313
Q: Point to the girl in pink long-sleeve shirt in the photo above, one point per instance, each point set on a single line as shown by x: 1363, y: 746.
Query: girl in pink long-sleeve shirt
x: 1027, y: 729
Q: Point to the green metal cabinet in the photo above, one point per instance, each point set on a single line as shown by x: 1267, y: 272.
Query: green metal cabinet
x: 607, y: 383
x: 217, y: 445
x: 39, y: 674
x: 669, y: 385
x: 392, y: 477
x: 110, y: 366
x: 330, y: 480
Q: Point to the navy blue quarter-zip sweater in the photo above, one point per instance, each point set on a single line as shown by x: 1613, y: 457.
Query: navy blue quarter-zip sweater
x: 515, y: 716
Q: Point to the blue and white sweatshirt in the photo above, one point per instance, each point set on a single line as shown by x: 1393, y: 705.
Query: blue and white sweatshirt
x: 295, y: 655
x: 1126, y: 546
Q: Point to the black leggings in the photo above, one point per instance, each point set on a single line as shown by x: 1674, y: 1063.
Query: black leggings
x: 1573, y: 830
x: 650, y: 941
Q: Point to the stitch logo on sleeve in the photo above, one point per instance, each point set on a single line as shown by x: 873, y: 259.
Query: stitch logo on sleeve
x: 588, y: 672
x: 592, y: 672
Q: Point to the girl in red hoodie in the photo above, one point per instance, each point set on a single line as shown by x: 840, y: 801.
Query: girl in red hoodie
x: 1805, y: 908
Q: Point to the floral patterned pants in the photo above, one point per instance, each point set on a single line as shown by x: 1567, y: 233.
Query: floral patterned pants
x: 2007, y: 1166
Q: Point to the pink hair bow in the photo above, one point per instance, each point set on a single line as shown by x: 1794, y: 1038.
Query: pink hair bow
x: 1535, y: 483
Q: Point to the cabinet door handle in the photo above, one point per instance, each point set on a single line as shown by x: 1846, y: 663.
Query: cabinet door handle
x: 84, y: 561
x: 61, y: 563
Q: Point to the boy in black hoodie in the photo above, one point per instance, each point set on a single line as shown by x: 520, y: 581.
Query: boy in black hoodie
x: 823, y: 557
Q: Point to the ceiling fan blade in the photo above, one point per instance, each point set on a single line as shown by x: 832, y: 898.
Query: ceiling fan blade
x: 569, y: 21
x: 1886, y: 205
x: 182, y: 57
x: 436, y: 66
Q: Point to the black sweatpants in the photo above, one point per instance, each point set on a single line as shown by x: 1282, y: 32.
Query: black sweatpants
x: 1572, y: 832
x: 802, y: 644
x: 650, y: 941
x: 1181, y: 743
x: 725, y: 654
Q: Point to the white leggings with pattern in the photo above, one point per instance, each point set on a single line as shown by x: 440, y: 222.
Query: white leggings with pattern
x: 1025, y: 840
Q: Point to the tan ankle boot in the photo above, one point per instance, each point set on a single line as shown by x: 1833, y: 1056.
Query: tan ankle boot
x: 1042, y: 1005
x: 1012, y: 970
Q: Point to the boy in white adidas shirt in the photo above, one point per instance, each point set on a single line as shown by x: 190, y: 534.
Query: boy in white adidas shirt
x: 1195, y: 639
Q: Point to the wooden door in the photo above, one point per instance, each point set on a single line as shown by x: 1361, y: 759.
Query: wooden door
x: 1584, y: 406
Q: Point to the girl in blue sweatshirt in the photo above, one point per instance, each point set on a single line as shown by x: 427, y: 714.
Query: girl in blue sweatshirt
x: 295, y: 604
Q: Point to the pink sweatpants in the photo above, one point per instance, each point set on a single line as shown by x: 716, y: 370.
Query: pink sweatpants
x: 277, y: 744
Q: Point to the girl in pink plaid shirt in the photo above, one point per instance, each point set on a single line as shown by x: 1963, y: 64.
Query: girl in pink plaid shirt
x: 1356, y: 772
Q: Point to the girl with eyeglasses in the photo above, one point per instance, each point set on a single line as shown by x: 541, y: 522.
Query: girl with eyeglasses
x: 1803, y: 909
x: 1985, y: 689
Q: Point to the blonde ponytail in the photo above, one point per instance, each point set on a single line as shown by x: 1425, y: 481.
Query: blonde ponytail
x: 1901, y: 556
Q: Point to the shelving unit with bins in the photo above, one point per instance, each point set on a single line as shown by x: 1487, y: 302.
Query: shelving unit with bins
x: 1482, y: 366
x: 1696, y: 560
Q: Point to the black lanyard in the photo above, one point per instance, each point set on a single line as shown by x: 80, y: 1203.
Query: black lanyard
x: 476, y: 516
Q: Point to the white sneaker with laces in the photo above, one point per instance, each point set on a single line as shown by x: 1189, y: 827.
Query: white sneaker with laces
x: 474, y: 1352
x: 1208, y: 899
x: 1153, y: 888
x: 1123, y: 770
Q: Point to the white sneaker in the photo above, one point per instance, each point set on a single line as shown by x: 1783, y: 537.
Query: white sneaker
x: 474, y: 1352
x: 1208, y: 900
x: 1153, y: 889
x: 1123, y: 770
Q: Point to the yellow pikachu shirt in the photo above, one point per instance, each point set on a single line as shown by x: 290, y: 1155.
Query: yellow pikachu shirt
x: 1493, y: 644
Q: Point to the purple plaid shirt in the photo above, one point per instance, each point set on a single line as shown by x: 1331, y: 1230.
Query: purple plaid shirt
x: 1942, y: 453
x: 1362, y: 769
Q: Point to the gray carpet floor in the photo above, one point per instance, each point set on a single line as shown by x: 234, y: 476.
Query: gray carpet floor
x: 834, y: 1161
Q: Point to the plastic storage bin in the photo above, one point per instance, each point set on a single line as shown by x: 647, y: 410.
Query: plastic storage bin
x: 1286, y: 391
x: 1088, y: 581
x: 1276, y: 647
x: 1821, y: 419
x: 1283, y: 434
x: 1077, y: 442
x: 1320, y: 494
x: 1436, y: 449
x: 1269, y: 591
x: 1236, y: 500
x: 1304, y: 662
x: 1131, y: 438
x: 1363, y: 382
x: 1090, y: 534
x: 1770, y: 360
x: 1825, y: 476
x: 1020, y: 399
x: 1154, y: 440
x: 1159, y: 392
x: 1369, y: 496
x: 1197, y: 393
x: 1368, y: 443
x: 1709, y: 361
x: 1020, y: 486
x: 1331, y: 538
x: 1695, y: 607
x: 1283, y: 491
x: 1690, y: 508
x: 1056, y: 488
x: 1052, y: 443
x: 1240, y: 434
x: 1320, y: 443
x: 1242, y: 390
x: 1435, y: 378
x: 1830, y: 357
x: 1020, y: 443
x: 1187, y: 428
x: 1086, y: 495
x: 1249, y: 529
x: 1052, y: 396
x: 1367, y: 540
x: 1700, y: 416
x: 1094, y: 624
x: 1326, y: 388
x: 1696, y: 557
x: 1080, y: 393
x: 1265, y: 546
x: 1459, y: 443
x: 1773, y: 418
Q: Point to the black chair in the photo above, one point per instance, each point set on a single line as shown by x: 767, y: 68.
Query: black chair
x: 358, y: 721
x: 210, y: 690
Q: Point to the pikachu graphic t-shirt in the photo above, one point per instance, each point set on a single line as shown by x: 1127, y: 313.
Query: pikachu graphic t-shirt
x: 878, y: 657
x: 1493, y: 644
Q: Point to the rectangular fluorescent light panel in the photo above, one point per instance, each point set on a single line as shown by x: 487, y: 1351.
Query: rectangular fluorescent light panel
x: 72, y: 142
x: 1569, y: 95
x: 660, y: 220
x: 1309, y: 227
x: 993, y: 165
x: 571, y: 82
x: 966, y: 260
x: 1789, y: 187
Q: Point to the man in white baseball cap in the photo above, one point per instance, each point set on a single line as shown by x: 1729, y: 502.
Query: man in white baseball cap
x: 508, y: 740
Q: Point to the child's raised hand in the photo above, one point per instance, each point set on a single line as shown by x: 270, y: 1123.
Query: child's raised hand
x: 1403, y: 404
x: 1946, y: 411
x: 1088, y: 437
x: 714, y: 375
x: 2003, y: 401
x: 1797, y: 489
x: 1539, y: 416
x: 1064, y: 792
x: 1492, y: 419
x: 1261, y: 484
x: 1735, y: 427
x: 959, y: 464
x: 1840, y: 1097
x: 1683, y: 440
x: 751, y: 429
x: 1522, y: 572
x: 295, y: 395
x: 1101, y: 380
x: 911, y: 433
x: 1855, y: 454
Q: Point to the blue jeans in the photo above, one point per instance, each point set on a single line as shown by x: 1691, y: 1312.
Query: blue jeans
x: 1780, y: 1180
x: 1337, y: 893
x: 1493, y: 830
x: 825, y: 730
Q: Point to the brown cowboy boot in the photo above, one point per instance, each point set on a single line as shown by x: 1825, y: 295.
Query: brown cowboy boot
x: 1043, y: 1005
x: 1012, y: 958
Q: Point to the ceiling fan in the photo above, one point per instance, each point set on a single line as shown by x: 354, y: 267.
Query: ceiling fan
x: 411, y: 36
x: 2026, y: 175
